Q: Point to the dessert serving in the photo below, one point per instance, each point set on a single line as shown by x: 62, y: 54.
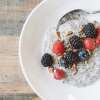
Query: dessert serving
x: 73, y: 54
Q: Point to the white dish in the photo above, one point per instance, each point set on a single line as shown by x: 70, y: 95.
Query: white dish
x: 44, y: 16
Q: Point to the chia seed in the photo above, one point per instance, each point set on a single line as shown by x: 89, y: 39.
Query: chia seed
x: 87, y: 73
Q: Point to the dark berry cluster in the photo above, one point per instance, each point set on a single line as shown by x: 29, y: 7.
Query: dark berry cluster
x: 47, y: 60
x: 89, y: 30
x: 70, y: 57
x: 79, y: 50
x: 76, y: 42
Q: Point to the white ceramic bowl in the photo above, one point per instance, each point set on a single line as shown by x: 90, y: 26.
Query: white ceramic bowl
x: 46, y: 15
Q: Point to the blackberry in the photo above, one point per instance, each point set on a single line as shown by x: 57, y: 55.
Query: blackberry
x: 89, y: 30
x: 76, y: 42
x: 47, y: 60
x: 71, y: 57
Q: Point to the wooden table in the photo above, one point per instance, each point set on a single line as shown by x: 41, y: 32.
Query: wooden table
x: 13, y: 14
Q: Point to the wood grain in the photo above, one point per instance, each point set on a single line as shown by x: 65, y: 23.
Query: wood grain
x: 13, y: 14
x: 12, y: 81
x: 11, y: 77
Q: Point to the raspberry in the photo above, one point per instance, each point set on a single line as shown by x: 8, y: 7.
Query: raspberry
x: 47, y: 60
x: 58, y: 47
x: 89, y: 30
x: 76, y: 42
x: 89, y: 44
x: 98, y: 41
x: 59, y: 74
x: 98, y: 30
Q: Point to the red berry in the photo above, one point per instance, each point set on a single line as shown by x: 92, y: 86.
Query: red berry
x: 98, y: 30
x: 59, y: 74
x: 89, y: 44
x: 98, y: 41
x: 58, y: 47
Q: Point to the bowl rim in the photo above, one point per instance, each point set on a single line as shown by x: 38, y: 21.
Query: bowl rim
x: 19, y: 48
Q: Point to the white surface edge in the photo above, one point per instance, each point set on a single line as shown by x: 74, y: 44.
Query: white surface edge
x: 19, y: 49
